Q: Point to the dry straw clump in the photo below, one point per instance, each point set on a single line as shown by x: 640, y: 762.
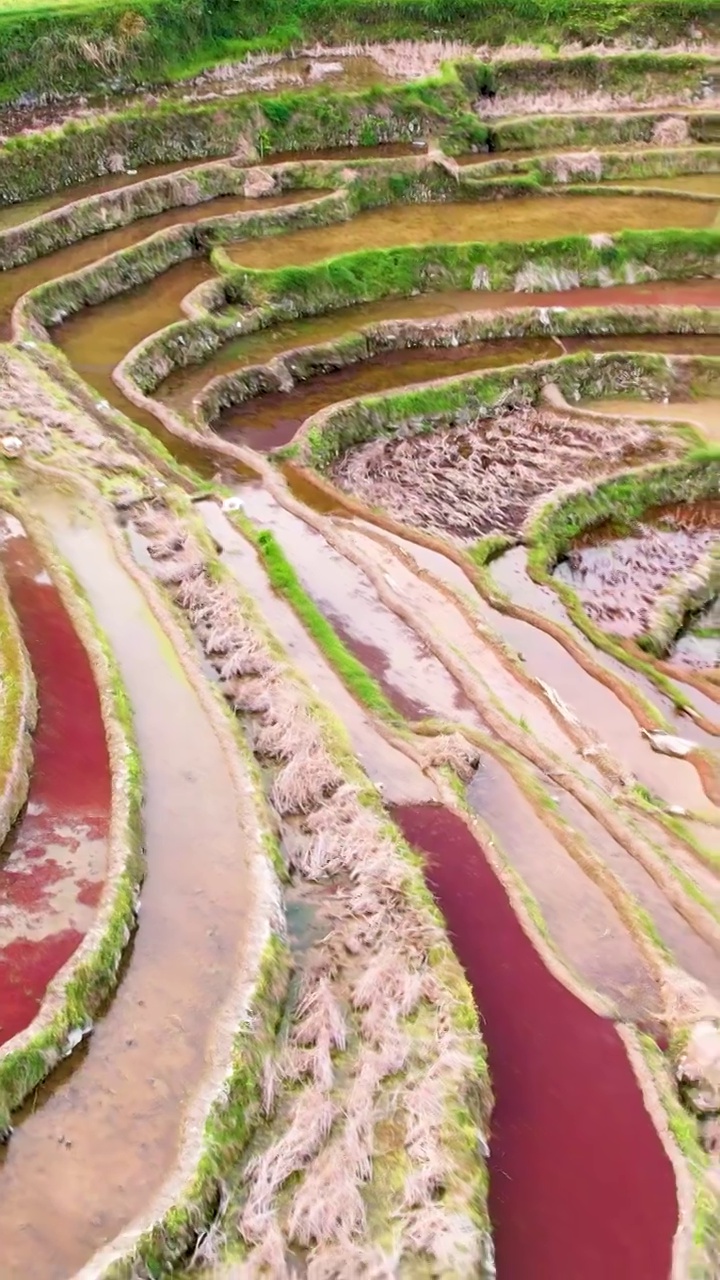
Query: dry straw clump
x: 374, y: 1042
x: 468, y: 481
x: 568, y: 167
x: 671, y: 132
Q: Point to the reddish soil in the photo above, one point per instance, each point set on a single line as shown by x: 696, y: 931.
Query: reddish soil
x: 53, y: 863
x: 580, y: 1185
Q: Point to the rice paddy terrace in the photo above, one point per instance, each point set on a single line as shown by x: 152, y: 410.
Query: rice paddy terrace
x: 360, y: 637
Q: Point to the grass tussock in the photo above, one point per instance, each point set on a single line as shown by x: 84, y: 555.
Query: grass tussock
x: 469, y: 481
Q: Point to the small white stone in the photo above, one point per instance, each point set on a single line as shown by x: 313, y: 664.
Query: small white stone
x: 232, y: 504
x: 11, y: 446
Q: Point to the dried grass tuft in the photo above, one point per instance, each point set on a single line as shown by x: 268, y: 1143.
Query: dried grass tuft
x: 304, y: 781
x: 567, y: 166
x: 454, y: 750
x: 674, y: 131
x: 328, y: 1206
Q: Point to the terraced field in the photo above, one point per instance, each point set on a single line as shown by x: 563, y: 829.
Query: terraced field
x: 360, y: 567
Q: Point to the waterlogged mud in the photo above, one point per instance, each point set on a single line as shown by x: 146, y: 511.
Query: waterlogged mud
x: 109, y: 1133
x: 618, y: 576
x: 13, y: 215
x: 398, y: 775
x: 704, y: 413
x: 183, y: 385
x: 54, y: 862
x: 526, y: 218
x: 566, y: 1100
x: 583, y: 925
x: 17, y: 281
x: 271, y: 420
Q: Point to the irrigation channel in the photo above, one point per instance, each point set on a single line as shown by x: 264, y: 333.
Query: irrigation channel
x: 360, y: 521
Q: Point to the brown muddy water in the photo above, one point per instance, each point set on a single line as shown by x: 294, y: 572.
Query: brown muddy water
x: 705, y: 184
x: 54, y: 862
x: 677, y: 344
x: 566, y: 1100
x: 109, y: 1133
x: 13, y: 215
x: 96, y: 339
x: 704, y: 414
x: 180, y: 388
x: 618, y: 576
x: 268, y: 421
x: 19, y: 280
x: 526, y: 218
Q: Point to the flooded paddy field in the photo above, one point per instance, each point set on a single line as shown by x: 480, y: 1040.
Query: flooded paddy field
x: 516, y: 219
x: 430, y: 839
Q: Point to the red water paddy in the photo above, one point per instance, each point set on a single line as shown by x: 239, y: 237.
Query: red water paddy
x: 53, y: 863
x: 580, y: 1185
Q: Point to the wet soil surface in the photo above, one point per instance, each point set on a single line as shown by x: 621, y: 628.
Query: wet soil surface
x: 618, y: 576
x: 526, y: 218
x: 54, y: 862
x: 109, y: 1129
x: 561, y: 1201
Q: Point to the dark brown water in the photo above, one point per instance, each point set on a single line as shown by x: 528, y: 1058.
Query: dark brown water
x: 268, y: 421
x: 182, y: 385
x: 13, y: 215
x: 580, y: 1186
x: 527, y: 218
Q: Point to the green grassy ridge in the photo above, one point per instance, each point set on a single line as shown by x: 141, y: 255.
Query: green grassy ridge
x: 544, y: 132
x: 40, y: 163
x: 454, y: 400
x: 371, y: 274
x: 45, y: 44
x: 364, y: 344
